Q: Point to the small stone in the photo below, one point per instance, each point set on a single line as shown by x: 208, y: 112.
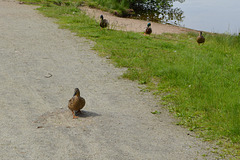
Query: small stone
x: 39, y: 126
x: 48, y: 75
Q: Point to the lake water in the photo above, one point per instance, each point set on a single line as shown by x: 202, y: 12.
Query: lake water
x: 218, y: 16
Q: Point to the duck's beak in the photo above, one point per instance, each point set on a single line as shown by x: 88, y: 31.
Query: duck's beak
x: 76, y: 92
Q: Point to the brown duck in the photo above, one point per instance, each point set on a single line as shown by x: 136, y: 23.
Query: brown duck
x: 76, y: 103
x: 148, y: 29
x: 200, y: 38
x: 103, y: 23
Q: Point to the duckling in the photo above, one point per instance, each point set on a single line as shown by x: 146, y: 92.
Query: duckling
x: 76, y: 103
x: 148, y: 29
x: 104, y: 23
x: 200, y: 38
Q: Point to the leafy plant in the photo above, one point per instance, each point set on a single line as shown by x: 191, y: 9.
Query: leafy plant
x: 156, y: 112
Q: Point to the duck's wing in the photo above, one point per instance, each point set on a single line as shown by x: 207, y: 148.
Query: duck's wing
x: 148, y: 30
x: 105, y: 22
x: 82, y: 102
x: 71, y: 103
x: 200, y: 39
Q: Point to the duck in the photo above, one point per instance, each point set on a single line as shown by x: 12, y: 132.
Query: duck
x: 103, y: 23
x: 200, y: 38
x: 148, y: 29
x: 76, y: 103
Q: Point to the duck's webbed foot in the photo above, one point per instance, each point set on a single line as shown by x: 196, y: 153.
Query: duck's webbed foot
x: 76, y: 113
x: 75, y: 117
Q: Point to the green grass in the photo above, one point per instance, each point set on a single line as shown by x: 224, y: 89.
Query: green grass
x: 110, y: 5
x: 199, y: 84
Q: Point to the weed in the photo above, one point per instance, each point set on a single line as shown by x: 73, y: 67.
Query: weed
x: 156, y: 112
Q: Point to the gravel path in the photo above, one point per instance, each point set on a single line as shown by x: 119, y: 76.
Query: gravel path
x: 35, y: 122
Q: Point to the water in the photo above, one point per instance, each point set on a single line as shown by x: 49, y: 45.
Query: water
x: 218, y: 16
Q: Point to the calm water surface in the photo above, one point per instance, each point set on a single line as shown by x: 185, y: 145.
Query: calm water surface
x: 220, y: 16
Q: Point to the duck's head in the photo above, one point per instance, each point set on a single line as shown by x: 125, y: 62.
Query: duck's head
x: 149, y: 24
x: 101, y: 16
x: 200, y: 33
x: 76, y: 92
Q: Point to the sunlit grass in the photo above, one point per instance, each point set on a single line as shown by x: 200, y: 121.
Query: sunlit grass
x: 200, y: 84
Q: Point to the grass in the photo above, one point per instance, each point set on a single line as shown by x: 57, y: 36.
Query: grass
x: 111, y: 5
x: 199, y: 84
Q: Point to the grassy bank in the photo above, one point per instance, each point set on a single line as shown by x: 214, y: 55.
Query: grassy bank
x: 199, y: 84
x: 111, y: 5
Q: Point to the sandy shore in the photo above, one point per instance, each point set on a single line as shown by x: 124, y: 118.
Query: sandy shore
x: 128, y: 24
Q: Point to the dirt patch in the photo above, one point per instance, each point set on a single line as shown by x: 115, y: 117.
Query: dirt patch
x: 63, y: 118
x: 128, y: 24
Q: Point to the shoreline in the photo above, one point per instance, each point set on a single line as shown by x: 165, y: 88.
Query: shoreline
x: 134, y: 25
